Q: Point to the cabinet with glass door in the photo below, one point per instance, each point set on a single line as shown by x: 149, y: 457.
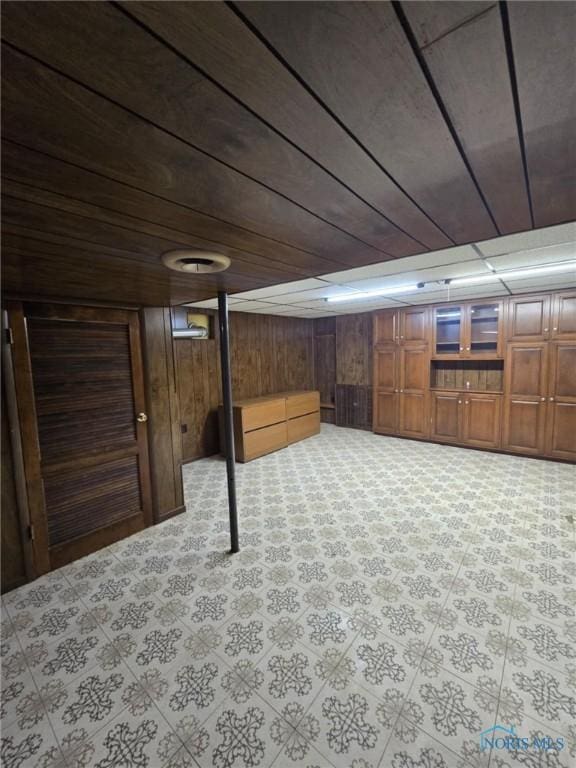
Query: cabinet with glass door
x: 470, y: 330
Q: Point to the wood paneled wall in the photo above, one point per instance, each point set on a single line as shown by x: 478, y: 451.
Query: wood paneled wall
x: 268, y: 354
x: 344, y: 369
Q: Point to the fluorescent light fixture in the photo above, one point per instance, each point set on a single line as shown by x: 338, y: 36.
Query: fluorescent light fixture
x: 382, y: 293
x: 516, y: 274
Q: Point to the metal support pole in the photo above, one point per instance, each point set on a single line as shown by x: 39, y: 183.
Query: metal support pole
x: 228, y: 426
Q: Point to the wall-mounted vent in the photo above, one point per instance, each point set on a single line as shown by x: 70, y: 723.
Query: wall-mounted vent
x: 195, y: 262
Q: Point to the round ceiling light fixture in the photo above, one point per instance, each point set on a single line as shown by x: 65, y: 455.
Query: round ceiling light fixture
x: 195, y: 262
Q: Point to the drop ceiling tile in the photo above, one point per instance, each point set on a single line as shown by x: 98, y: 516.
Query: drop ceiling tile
x: 543, y: 283
x: 549, y: 255
x: 458, y: 294
x: 273, y: 309
x: 538, y: 238
x: 329, y: 289
x: 475, y: 267
x: 250, y: 306
x: 277, y: 290
x: 454, y: 255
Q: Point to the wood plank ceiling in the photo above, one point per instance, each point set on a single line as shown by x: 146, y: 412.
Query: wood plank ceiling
x: 298, y: 138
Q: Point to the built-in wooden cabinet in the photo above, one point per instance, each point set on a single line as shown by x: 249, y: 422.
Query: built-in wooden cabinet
x: 402, y: 326
x: 471, y: 330
x: 401, y: 374
x: 542, y: 318
x: 525, y: 397
x: 561, y: 416
x: 489, y: 374
x: 469, y: 418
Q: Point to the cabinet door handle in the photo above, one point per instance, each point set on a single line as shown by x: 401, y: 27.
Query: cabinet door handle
x: 466, y: 402
x: 551, y: 399
x: 459, y: 402
x: 467, y: 349
x: 542, y: 399
x: 461, y: 349
x: 545, y: 330
x: 554, y: 329
x: 401, y: 390
x: 397, y: 391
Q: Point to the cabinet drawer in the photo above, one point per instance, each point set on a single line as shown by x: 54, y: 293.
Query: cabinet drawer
x: 303, y: 426
x: 300, y: 405
x: 263, y: 414
x: 264, y: 440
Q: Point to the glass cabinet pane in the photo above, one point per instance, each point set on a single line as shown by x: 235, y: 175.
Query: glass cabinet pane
x: 448, y: 328
x: 484, y: 328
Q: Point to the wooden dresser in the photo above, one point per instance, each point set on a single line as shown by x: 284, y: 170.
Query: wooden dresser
x: 268, y: 423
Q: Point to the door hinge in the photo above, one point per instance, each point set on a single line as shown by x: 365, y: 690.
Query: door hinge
x: 31, y: 532
x: 8, y: 336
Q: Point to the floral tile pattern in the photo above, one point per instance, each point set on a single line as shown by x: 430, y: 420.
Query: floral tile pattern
x: 391, y: 601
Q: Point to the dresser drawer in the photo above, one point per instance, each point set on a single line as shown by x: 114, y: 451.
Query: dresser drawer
x: 303, y: 426
x: 264, y: 440
x: 300, y: 405
x: 263, y: 414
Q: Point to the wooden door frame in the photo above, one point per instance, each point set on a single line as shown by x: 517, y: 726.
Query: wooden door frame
x: 26, y: 408
x: 40, y: 551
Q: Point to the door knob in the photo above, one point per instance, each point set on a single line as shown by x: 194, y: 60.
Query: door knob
x: 142, y: 417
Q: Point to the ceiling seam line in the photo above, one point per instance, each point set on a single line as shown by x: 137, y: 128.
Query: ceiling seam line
x: 160, y: 197
x: 469, y: 20
x: 516, y: 100
x: 12, y: 224
x: 333, y: 115
x: 440, y: 104
x: 187, y: 143
x: 41, y: 242
x: 263, y: 120
x: 127, y: 259
x: 138, y: 218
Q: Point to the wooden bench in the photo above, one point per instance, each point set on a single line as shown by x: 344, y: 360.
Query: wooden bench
x: 268, y: 423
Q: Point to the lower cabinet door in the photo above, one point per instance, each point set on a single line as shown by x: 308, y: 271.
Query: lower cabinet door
x: 445, y: 410
x: 524, y: 425
x: 481, y: 420
x: 561, y: 431
x: 385, y: 413
x: 414, y: 414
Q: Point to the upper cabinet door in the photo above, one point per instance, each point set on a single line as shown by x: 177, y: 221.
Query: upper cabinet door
x: 415, y: 325
x: 386, y: 327
x: 448, y: 331
x: 526, y: 370
x: 484, y: 337
x: 528, y: 318
x: 564, y: 316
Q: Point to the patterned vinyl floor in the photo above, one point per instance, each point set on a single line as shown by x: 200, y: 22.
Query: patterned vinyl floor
x: 392, y: 600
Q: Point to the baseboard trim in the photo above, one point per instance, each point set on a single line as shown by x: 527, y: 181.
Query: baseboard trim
x: 171, y: 513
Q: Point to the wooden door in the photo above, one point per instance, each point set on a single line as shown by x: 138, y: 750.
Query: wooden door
x: 385, y: 416
x: 414, y: 384
x: 81, y: 401
x: 481, y: 420
x: 386, y: 327
x: 561, y: 416
x: 415, y: 325
x: 445, y: 416
x: 525, y: 388
x: 564, y: 316
x: 528, y: 318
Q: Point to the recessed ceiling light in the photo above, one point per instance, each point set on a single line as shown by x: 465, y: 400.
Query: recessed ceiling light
x: 195, y: 262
